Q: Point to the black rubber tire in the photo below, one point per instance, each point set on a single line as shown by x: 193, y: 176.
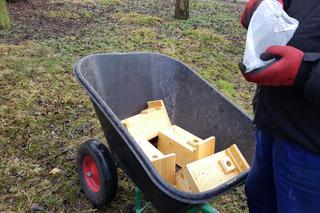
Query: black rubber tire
x: 107, y: 172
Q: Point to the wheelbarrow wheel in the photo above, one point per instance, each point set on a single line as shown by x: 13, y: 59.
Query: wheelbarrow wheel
x: 97, y: 172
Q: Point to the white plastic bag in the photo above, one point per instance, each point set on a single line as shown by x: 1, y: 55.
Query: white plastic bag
x: 269, y: 25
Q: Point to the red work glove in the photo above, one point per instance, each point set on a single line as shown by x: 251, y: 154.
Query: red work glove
x: 250, y: 8
x: 282, y: 72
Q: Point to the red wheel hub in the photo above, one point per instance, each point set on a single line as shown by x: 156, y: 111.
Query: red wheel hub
x: 91, y: 173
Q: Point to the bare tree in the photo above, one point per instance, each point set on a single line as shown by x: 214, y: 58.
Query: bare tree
x: 181, y: 9
x: 4, y: 16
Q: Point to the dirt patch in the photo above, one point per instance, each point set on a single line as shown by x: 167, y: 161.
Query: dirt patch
x: 36, y: 19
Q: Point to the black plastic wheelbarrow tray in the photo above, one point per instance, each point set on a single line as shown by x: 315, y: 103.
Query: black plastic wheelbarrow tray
x: 120, y: 85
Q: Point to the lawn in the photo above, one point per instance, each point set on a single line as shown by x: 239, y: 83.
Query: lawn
x: 44, y: 113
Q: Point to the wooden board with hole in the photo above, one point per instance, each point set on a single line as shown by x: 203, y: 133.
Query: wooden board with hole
x: 187, y: 146
x: 164, y: 164
x: 209, y: 172
x: 148, y: 123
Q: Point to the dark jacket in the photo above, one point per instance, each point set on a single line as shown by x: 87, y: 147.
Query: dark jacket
x: 293, y: 112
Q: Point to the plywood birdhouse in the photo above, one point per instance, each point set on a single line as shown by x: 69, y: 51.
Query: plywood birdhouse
x: 146, y: 126
x: 208, y: 173
x: 149, y: 122
x: 201, y: 169
x: 187, y: 146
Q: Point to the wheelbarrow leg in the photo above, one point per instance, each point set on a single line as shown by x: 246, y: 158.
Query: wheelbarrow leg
x: 138, y: 200
x: 139, y: 208
x: 207, y: 208
x: 204, y: 208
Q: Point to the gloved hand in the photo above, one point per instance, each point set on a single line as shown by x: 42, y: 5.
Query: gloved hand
x: 281, y: 72
x: 250, y: 8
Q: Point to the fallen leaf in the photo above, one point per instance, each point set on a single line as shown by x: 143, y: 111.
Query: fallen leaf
x: 55, y: 171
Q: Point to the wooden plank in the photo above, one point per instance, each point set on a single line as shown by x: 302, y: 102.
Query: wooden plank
x: 227, y: 165
x: 205, y: 148
x: 187, y: 146
x: 148, y: 123
x: 155, y: 104
x: 182, y: 182
x: 146, y: 126
x: 238, y: 158
x: 168, y: 142
x: 151, y: 151
x: 166, y: 166
x: 209, y: 172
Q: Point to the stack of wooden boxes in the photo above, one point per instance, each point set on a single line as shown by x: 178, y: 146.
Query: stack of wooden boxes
x: 200, y: 168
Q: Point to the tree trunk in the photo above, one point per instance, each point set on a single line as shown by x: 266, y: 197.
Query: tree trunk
x: 181, y: 9
x: 4, y: 16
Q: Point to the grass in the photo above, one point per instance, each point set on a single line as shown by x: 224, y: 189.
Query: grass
x: 4, y: 16
x: 62, y: 14
x: 45, y: 115
x: 109, y: 2
x: 206, y: 36
x: 136, y: 18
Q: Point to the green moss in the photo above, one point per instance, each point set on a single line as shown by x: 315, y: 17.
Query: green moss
x: 226, y: 87
x: 136, y: 18
x: 63, y: 14
x: 4, y: 16
x: 109, y: 2
x: 206, y: 36
x: 144, y: 32
x: 87, y: 13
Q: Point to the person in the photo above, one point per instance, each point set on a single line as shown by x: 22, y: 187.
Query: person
x: 285, y: 173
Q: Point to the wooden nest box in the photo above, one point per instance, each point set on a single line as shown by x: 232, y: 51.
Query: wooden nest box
x: 201, y: 169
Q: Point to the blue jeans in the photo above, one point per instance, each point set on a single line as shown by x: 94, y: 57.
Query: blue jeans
x: 284, y: 177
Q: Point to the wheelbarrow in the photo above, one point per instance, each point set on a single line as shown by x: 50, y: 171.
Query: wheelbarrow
x: 119, y: 86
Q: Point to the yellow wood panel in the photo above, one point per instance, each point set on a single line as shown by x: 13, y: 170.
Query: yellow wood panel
x: 209, y: 172
x: 155, y: 104
x: 205, y: 148
x: 166, y: 166
x: 182, y: 182
x: 148, y: 123
x: 238, y: 158
x: 151, y: 151
x: 181, y: 136
x: 167, y: 145
x: 187, y: 146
